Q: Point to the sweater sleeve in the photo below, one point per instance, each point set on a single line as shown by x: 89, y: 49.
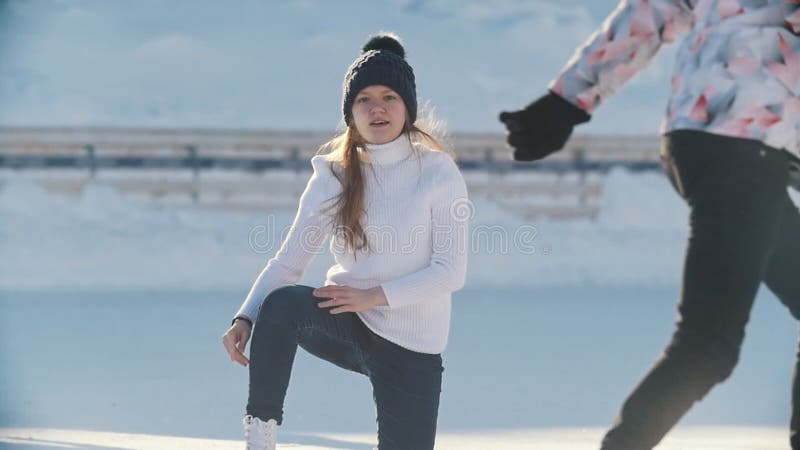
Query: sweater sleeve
x: 309, y: 231
x: 624, y: 45
x: 450, y: 215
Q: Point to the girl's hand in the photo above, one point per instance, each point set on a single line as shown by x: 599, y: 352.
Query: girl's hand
x: 347, y: 299
x: 235, y: 340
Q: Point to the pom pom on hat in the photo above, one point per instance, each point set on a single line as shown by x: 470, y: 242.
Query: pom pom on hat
x: 385, y: 41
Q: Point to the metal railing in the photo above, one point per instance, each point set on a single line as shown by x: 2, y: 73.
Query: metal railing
x: 96, y: 149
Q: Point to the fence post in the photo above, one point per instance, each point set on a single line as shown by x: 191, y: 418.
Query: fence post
x: 579, y: 160
x: 195, y: 165
x: 90, y: 153
x: 294, y: 159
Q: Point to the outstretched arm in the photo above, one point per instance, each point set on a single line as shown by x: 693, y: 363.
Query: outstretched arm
x: 624, y: 45
x: 627, y: 41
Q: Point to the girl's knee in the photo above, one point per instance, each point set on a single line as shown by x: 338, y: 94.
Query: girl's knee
x: 283, y: 301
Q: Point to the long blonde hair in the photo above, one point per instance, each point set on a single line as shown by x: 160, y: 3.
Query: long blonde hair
x: 348, y: 206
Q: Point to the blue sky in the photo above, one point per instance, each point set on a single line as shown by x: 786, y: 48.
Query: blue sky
x: 279, y: 65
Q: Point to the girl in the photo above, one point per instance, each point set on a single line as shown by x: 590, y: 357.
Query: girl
x: 394, y: 208
x: 730, y: 147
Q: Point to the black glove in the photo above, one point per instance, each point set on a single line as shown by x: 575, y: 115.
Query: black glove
x: 543, y: 127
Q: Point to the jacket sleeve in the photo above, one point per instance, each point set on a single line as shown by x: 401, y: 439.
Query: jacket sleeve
x: 446, y: 272
x: 624, y: 45
x: 309, y: 231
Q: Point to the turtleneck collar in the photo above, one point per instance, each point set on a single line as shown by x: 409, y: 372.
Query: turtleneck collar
x: 388, y: 153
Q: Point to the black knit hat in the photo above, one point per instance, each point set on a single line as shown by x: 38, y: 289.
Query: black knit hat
x: 382, y: 61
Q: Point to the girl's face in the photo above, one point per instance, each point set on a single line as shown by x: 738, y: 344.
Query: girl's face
x: 379, y: 114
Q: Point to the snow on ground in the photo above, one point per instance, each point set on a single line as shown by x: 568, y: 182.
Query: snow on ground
x: 700, y: 438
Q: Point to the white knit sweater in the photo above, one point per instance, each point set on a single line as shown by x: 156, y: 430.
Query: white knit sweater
x: 417, y: 219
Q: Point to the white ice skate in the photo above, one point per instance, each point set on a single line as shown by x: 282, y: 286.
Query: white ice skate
x: 260, y: 435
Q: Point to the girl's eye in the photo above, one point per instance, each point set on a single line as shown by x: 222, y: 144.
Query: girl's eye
x: 362, y: 99
x: 390, y: 97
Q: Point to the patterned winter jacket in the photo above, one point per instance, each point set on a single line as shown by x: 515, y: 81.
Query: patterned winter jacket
x: 737, y: 73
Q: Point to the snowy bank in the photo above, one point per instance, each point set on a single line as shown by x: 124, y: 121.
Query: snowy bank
x: 103, y: 239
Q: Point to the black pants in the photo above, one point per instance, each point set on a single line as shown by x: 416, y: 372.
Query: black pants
x: 744, y: 229
x: 405, y: 384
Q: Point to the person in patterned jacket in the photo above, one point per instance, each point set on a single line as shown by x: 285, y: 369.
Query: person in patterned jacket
x: 730, y: 146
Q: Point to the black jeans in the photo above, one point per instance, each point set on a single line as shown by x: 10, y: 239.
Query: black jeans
x: 744, y: 229
x: 405, y: 384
